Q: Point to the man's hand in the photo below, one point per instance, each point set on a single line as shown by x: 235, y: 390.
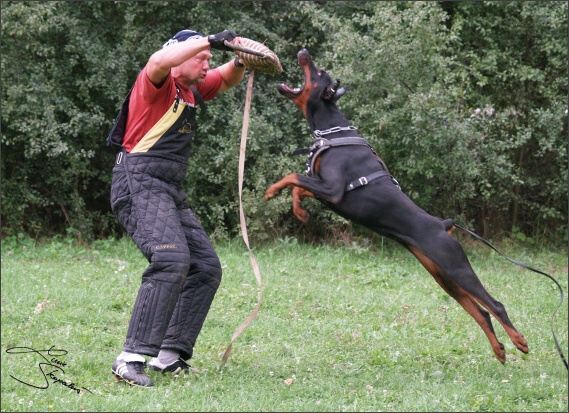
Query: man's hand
x: 216, y: 40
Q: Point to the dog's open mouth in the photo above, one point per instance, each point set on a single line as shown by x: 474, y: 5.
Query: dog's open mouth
x: 288, y: 91
x: 304, y: 60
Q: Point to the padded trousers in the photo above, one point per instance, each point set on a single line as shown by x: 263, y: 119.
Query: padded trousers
x: 184, y: 271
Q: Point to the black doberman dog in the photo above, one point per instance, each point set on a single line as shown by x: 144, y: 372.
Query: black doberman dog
x: 347, y: 175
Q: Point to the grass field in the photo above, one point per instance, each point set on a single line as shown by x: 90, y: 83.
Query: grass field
x: 353, y: 328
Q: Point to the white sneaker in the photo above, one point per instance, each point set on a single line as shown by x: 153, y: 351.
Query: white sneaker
x: 131, y: 370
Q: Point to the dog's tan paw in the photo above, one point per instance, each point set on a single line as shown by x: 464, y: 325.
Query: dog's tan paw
x: 270, y: 193
x: 300, y: 213
x: 521, y: 343
x: 500, y: 353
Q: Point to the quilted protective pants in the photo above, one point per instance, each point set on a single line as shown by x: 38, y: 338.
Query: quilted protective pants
x: 184, y: 271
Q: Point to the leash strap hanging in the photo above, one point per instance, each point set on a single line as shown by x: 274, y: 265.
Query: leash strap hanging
x: 527, y: 267
x: 244, y: 131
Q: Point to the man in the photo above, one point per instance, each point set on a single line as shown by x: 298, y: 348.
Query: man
x: 184, y: 271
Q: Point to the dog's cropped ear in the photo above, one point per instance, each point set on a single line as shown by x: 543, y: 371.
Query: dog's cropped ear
x: 340, y: 93
x: 330, y: 91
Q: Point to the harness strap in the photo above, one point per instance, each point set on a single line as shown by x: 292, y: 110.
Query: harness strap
x: 326, y: 143
x: 321, y: 144
x: 364, y: 180
x: 199, y: 98
x: 300, y: 151
x: 348, y: 140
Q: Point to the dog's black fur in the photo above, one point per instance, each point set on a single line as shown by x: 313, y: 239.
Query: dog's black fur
x: 380, y: 205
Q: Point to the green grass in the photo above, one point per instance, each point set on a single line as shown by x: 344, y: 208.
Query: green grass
x: 351, y: 328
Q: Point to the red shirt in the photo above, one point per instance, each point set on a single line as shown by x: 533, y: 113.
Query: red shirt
x: 148, y: 104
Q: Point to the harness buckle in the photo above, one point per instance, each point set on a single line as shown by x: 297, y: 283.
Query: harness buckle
x: 363, y: 180
x: 396, y: 182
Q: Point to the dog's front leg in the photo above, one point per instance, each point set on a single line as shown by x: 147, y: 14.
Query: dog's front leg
x: 332, y: 190
x: 286, y: 182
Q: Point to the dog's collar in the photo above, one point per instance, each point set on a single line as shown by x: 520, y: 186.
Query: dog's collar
x: 320, y: 144
x: 319, y: 133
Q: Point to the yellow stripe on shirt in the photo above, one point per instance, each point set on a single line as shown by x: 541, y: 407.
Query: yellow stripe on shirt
x: 161, y: 127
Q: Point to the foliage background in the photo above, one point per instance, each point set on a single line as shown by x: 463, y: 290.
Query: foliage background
x: 465, y: 101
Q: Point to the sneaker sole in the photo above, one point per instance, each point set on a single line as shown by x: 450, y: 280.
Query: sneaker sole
x: 174, y: 372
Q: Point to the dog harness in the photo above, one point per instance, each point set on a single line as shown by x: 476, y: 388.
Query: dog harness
x: 320, y: 144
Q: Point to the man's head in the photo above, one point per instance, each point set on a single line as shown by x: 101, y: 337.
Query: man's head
x: 193, y: 70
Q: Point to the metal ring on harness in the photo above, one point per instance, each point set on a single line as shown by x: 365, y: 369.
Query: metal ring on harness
x: 364, y: 180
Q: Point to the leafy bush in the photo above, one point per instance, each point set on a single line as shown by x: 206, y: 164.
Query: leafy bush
x: 465, y: 101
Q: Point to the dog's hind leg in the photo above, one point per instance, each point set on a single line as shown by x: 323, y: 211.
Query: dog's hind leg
x: 481, y: 316
x: 467, y: 302
x: 463, y: 276
x: 454, y: 266
x: 497, y: 309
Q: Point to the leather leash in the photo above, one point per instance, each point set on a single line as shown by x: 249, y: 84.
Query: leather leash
x: 244, y: 131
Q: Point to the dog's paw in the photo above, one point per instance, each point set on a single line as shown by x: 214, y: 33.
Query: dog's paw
x: 521, y: 343
x: 270, y: 193
x: 499, y: 352
x: 300, y: 213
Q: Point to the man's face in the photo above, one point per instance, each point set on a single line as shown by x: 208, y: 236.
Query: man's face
x: 195, y: 69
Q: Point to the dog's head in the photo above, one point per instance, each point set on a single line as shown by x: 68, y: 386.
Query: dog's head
x: 318, y: 89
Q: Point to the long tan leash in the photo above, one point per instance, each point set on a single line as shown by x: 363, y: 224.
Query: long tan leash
x: 244, y: 131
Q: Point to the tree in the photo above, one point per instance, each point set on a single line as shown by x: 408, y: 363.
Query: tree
x: 455, y: 96
x: 465, y: 101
